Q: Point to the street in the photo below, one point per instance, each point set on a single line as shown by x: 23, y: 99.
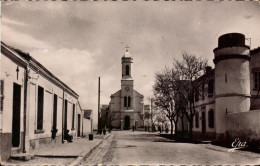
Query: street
x: 127, y: 147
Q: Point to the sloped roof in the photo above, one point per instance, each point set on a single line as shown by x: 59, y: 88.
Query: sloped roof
x: 138, y: 93
x: 114, y: 94
x: 28, y: 58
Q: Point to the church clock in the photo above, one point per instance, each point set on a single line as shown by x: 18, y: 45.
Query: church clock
x: 127, y: 88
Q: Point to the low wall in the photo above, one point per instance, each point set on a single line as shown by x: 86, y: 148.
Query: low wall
x: 244, y: 125
x: 86, y: 126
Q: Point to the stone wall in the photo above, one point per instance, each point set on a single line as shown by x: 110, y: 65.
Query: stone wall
x: 244, y: 125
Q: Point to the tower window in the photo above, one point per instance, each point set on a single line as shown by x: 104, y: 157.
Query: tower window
x: 127, y: 70
x: 125, y: 101
x: 257, y: 80
x: 129, y: 101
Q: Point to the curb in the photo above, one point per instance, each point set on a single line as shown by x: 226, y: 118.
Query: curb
x: 85, y: 154
x: 223, y: 149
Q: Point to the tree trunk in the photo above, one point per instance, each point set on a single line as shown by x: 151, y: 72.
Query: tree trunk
x: 190, y: 129
x: 175, y: 126
x: 182, y: 124
x: 171, y: 127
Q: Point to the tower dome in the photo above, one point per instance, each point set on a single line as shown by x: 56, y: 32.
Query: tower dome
x: 127, y: 54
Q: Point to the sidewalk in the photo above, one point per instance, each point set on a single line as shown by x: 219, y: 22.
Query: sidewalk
x: 62, y: 153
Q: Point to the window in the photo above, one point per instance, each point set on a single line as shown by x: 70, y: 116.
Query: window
x: 54, y: 125
x: 203, y: 91
x: 210, y: 88
x: 129, y: 101
x: 73, y: 117
x: 211, y: 118
x: 65, y: 116
x: 257, y: 80
x: 196, y: 95
x: 127, y: 70
x: 197, y: 120
x: 125, y: 101
x: 2, y: 96
x: 40, y: 108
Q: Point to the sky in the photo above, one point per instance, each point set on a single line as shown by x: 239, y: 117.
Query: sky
x: 81, y: 41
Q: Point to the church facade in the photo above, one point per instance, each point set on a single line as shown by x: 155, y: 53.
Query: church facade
x: 126, y: 105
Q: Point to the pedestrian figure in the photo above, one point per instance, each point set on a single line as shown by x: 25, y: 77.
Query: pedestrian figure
x: 133, y: 128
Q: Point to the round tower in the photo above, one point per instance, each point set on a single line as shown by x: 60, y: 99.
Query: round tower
x: 232, y: 79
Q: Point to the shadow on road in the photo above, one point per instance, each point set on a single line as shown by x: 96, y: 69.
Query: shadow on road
x: 152, y: 137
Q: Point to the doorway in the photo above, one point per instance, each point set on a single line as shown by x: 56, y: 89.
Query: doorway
x: 203, y: 125
x: 16, y: 115
x: 127, y: 122
x: 78, y: 125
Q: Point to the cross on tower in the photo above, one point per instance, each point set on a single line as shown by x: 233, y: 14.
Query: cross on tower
x: 126, y: 47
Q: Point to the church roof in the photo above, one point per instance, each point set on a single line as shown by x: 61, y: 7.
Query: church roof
x: 139, y: 93
x: 117, y: 93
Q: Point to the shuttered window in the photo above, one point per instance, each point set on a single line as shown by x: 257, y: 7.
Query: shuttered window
x: 211, y: 118
x: 40, y: 108
x: 125, y: 101
x: 73, y: 117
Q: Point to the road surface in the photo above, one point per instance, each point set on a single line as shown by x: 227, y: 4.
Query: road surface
x: 127, y: 147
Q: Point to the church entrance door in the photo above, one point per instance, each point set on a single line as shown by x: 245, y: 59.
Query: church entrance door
x: 127, y: 123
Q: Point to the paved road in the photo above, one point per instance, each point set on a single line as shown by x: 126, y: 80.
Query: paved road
x: 127, y: 147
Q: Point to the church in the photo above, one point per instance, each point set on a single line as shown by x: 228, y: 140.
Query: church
x: 126, y: 105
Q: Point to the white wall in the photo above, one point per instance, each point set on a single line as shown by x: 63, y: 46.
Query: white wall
x: 9, y: 75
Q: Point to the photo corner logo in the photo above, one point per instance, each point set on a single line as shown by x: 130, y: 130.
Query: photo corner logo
x: 237, y: 144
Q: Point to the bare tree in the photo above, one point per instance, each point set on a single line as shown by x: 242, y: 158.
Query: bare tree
x: 112, y: 117
x: 165, y: 96
x: 189, y: 69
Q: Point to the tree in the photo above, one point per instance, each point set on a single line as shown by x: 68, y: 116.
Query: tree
x: 163, y: 120
x: 165, y: 96
x: 112, y: 117
x: 189, y: 69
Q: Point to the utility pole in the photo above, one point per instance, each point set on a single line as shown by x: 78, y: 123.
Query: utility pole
x: 152, y: 114
x: 99, y: 123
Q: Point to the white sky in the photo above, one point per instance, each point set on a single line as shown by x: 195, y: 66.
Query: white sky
x: 80, y: 41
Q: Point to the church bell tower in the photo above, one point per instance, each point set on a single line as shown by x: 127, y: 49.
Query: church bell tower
x: 127, y: 82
